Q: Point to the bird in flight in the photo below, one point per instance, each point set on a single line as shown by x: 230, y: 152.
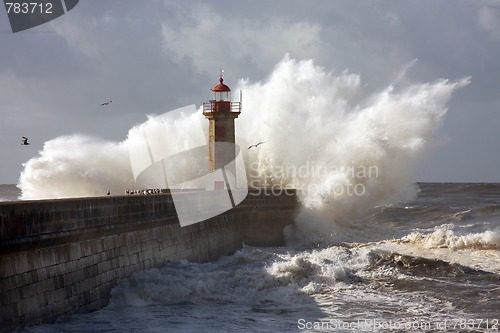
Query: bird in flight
x: 106, y: 103
x: 24, y: 141
x: 256, y: 145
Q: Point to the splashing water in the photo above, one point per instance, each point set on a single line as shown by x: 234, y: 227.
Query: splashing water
x: 443, y: 237
x: 89, y: 170
x: 346, y: 150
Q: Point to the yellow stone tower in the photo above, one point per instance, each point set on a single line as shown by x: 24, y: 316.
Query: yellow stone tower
x: 221, y: 113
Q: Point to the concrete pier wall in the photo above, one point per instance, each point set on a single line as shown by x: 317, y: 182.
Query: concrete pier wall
x: 64, y: 256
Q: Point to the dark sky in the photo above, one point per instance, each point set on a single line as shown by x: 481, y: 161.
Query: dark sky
x: 153, y: 56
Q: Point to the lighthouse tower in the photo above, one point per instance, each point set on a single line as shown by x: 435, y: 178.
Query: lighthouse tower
x: 221, y: 112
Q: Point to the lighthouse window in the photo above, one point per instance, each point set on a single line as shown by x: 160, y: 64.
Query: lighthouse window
x: 222, y: 96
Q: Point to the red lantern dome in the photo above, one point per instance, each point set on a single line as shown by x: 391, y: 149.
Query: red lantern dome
x: 220, y: 87
x: 222, y: 93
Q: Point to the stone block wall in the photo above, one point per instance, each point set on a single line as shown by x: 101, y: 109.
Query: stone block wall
x: 64, y: 256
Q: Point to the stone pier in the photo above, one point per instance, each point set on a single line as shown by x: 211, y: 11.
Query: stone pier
x: 63, y: 256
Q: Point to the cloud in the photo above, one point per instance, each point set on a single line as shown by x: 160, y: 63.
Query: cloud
x: 163, y: 54
x: 488, y: 19
x: 79, y: 36
x: 210, y: 40
x: 392, y: 19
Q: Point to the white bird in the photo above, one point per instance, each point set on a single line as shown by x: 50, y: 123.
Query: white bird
x: 106, y: 103
x: 24, y: 141
x: 256, y: 145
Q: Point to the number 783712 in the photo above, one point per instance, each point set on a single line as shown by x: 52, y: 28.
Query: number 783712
x: 28, y: 8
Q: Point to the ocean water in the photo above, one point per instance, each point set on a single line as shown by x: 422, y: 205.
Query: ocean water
x: 9, y: 192
x: 429, y: 264
x: 371, y: 250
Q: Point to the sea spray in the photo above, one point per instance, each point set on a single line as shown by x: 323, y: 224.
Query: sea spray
x: 76, y: 166
x: 445, y: 237
x: 79, y: 165
x: 358, y: 148
x: 344, y: 149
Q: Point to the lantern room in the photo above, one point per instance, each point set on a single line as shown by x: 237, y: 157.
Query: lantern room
x: 221, y: 102
x: 221, y: 91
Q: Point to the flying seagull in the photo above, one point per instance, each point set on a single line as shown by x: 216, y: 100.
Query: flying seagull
x: 24, y: 141
x: 106, y: 103
x: 256, y: 145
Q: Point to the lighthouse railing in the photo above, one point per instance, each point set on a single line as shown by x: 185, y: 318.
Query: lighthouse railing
x: 213, y: 106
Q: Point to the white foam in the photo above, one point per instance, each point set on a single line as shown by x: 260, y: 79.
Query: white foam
x: 443, y: 237
x: 75, y: 166
x: 476, y: 250
x: 323, y: 134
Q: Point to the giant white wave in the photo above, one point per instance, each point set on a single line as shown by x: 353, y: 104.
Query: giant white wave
x: 346, y: 150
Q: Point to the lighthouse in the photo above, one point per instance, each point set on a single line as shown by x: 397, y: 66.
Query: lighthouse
x: 221, y: 113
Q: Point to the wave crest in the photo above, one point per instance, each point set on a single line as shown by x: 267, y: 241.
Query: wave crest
x: 446, y: 238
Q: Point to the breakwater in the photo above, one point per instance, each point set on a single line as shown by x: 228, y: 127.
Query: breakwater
x: 63, y: 256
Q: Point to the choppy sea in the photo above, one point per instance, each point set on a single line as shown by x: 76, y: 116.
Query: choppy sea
x: 428, y: 265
